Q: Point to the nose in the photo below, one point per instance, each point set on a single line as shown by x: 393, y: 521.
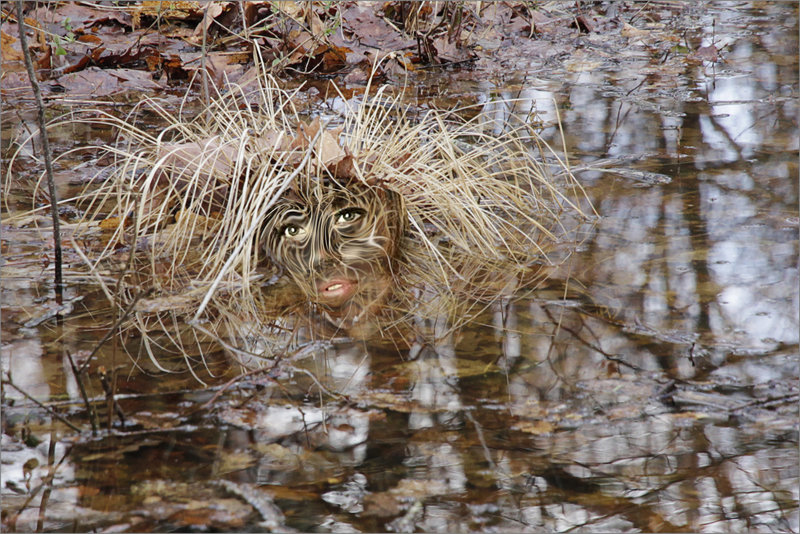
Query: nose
x: 321, y: 251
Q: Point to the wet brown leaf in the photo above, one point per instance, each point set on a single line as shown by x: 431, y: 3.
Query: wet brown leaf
x: 271, y: 141
x: 450, y: 52
x: 112, y: 223
x: 329, y: 150
x: 206, y: 157
x: 295, y: 10
x: 198, y: 224
x: 382, y: 505
x: 585, y: 23
x: 235, y: 461
x: 334, y: 58
x: 506, y: 20
x: 398, y: 402
x: 633, y: 33
x: 175, y: 10
x: 318, y: 28
x: 583, y: 62
x: 96, y: 82
x: 52, y: 17
x: 706, y: 53
x: 90, y: 39
x: 223, y: 68
x: 277, y: 456
x: 370, y: 30
x: 344, y: 168
x: 212, y: 11
x: 536, y: 428
x: 9, y: 46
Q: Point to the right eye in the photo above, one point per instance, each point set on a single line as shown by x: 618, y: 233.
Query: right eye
x: 293, y: 231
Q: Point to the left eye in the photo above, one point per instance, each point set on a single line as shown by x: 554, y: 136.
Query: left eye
x: 348, y: 215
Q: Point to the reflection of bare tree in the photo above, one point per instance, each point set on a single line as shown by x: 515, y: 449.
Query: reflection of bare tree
x: 584, y: 413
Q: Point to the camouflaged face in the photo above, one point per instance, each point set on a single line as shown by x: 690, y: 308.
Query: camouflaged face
x: 332, y: 231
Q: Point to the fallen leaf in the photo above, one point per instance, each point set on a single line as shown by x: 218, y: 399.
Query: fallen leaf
x: 382, y: 505
x: 95, y: 82
x: 112, y: 223
x: 536, y: 428
x: 706, y: 53
x: 159, y: 304
x: 196, y: 224
x: 448, y: 52
x: 89, y: 38
x: 371, y: 30
x: 291, y: 9
x: 204, y: 158
x: 318, y: 28
x: 329, y: 150
x: 344, y: 169
x: 173, y: 10
x: 334, y: 59
x: 585, y: 23
x: 211, y: 12
x: 10, y: 52
x: 582, y: 65
x: 632, y: 32
x: 270, y: 141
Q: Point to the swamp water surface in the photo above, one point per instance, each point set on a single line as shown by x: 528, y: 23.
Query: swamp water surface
x: 659, y: 395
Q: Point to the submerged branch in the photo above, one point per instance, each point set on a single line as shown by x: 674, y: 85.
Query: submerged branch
x: 116, y: 325
x: 89, y: 407
x: 42, y: 406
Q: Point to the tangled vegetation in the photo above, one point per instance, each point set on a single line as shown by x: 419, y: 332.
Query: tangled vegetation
x: 485, y: 212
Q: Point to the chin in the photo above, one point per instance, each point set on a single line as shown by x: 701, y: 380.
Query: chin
x: 353, y: 306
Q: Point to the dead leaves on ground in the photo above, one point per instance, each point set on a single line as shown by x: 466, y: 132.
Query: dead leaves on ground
x: 164, y: 40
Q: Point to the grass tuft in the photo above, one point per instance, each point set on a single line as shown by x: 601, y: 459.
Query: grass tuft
x: 486, y: 215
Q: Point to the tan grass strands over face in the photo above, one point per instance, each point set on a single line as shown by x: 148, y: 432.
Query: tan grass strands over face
x: 192, y: 197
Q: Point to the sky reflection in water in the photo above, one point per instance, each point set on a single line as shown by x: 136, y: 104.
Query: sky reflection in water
x: 652, y: 400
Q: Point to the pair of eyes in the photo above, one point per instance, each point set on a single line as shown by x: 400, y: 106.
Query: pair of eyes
x: 342, y: 218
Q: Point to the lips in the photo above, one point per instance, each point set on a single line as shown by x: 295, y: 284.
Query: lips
x: 336, y: 290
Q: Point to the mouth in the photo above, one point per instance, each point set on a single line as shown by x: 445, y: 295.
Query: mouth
x: 336, y: 290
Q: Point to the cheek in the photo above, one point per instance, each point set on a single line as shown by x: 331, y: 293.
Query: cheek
x: 355, y: 250
x: 373, y: 242
x: 285, y: 254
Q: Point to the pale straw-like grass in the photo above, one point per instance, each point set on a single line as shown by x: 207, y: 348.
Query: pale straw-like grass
x: 484, y: 213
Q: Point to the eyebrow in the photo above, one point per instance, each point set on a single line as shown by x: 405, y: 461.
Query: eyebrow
x: 294, y: 214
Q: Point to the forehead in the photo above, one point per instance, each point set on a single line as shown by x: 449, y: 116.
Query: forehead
x: 327, y: 193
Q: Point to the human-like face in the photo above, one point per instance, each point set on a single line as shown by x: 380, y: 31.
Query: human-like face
x: 337, y: 242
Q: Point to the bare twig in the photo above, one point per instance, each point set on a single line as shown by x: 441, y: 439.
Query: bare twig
x: 48, y: 159
x: 232, y: 381
x: 42, y: 406
x: 203, y: 65
x: 48, y: 482
x: 113, y: 329
x: 89, y: 408
x: 111, y: 401
x: 10, y: 522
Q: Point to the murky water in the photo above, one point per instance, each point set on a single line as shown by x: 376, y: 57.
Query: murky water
x: 659, y: 395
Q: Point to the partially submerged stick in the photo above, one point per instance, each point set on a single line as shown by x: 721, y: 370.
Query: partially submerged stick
x: 48, y: 159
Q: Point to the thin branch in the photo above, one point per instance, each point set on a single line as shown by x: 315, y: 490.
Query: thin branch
x: 42, y: 406
x: 113, y: 405
x: 48, y: 158
x: 113, y: 329
x: 89, y: 408
x: 203, y: 62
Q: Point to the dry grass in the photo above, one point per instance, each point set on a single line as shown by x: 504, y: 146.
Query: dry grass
x: 484, y: 214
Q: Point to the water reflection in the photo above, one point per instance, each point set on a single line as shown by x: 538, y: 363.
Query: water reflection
x: 660, y: 395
